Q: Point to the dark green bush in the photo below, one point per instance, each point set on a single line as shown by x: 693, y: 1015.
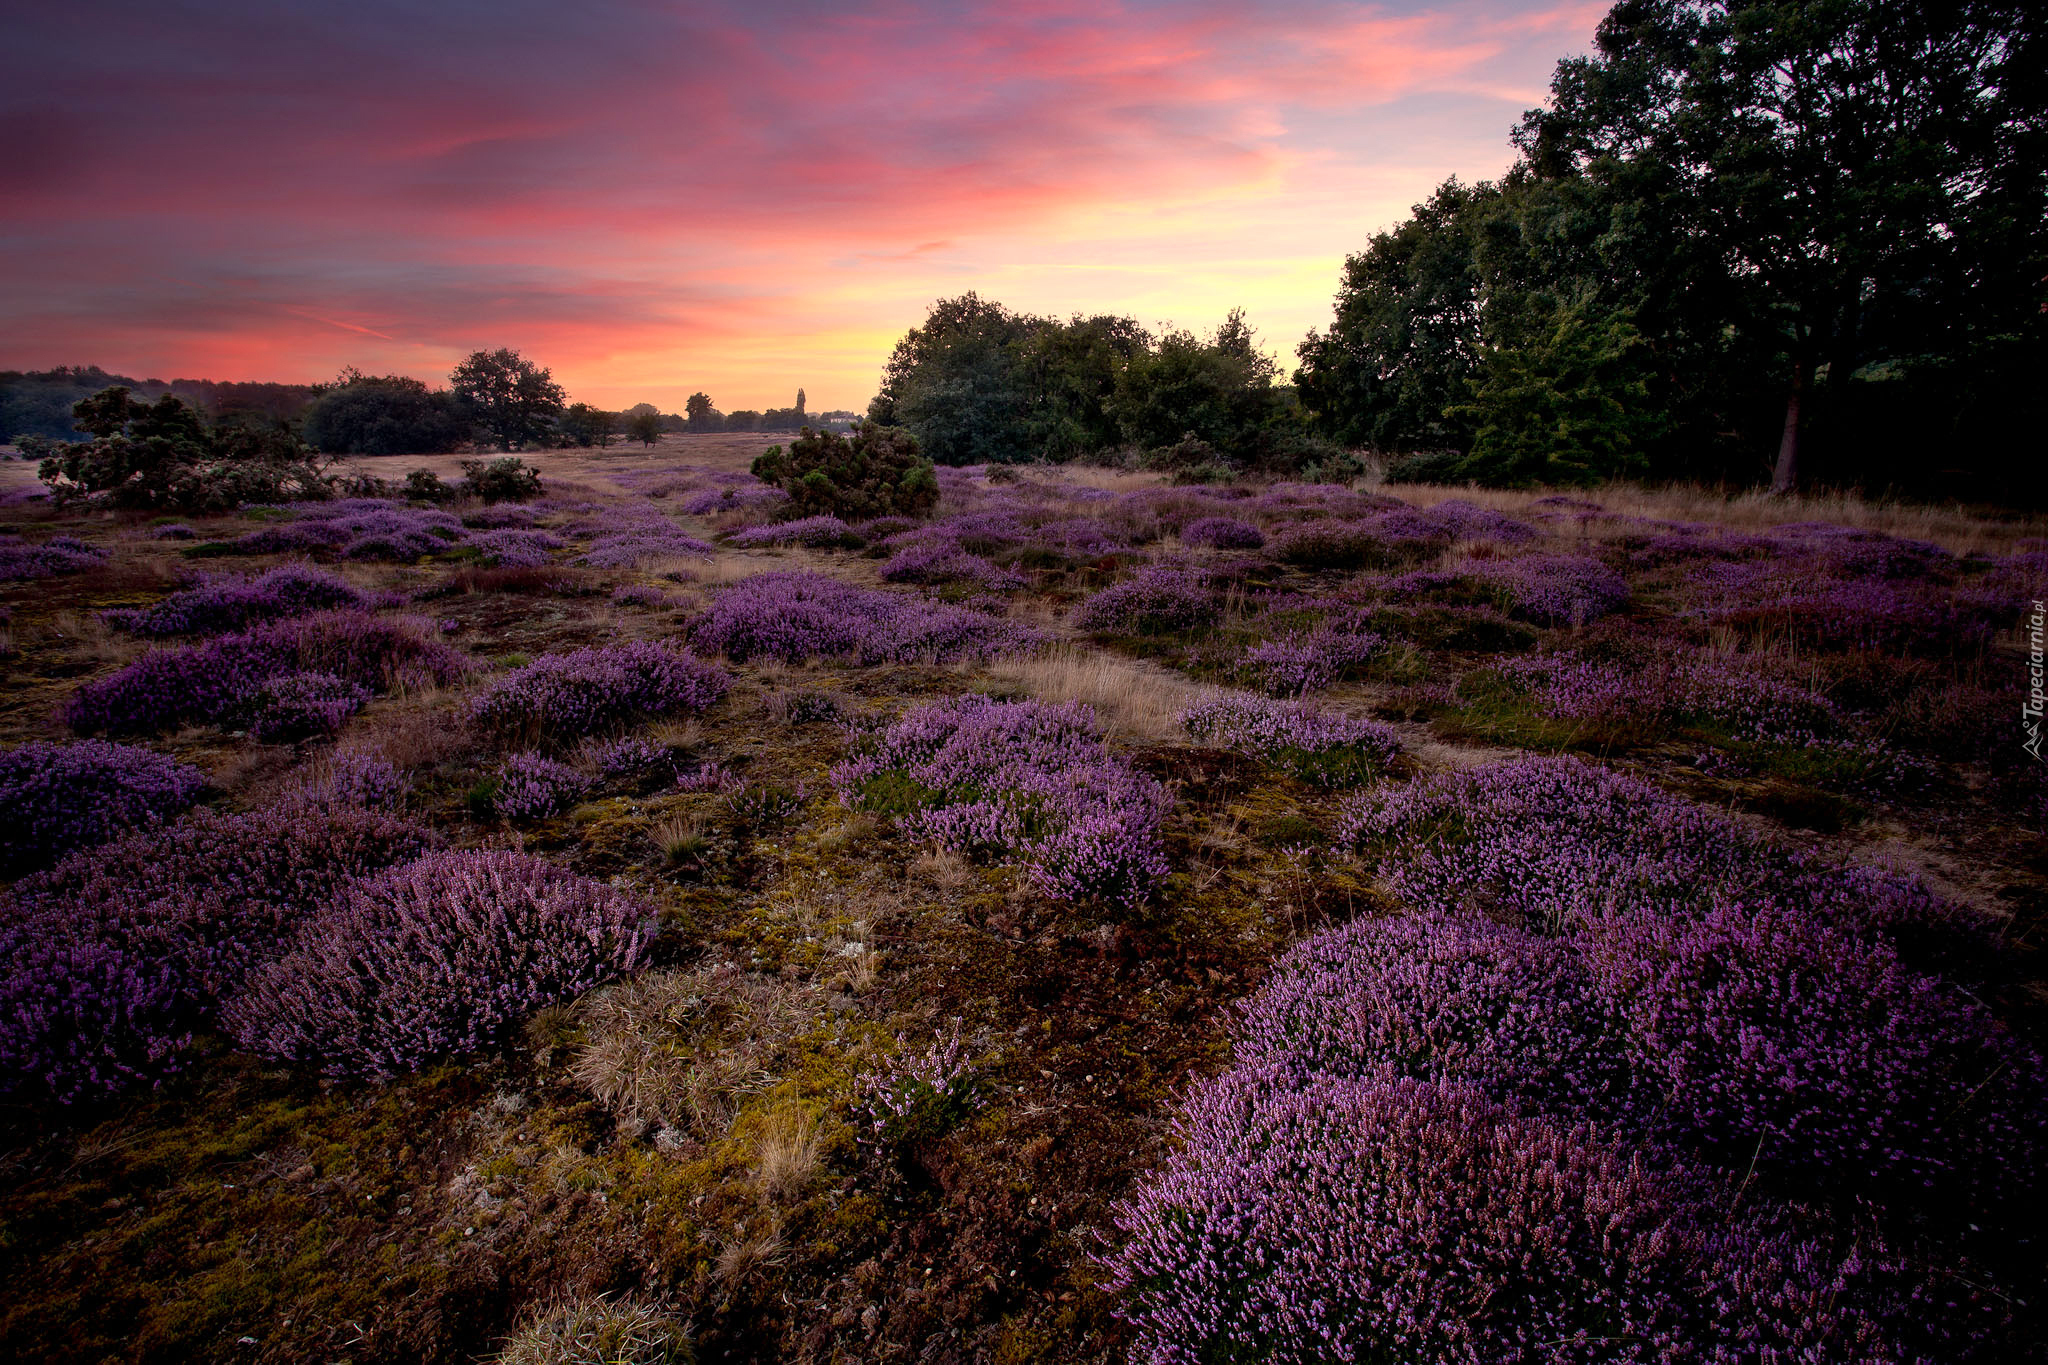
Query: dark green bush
x: 165, y: 456
x: 506, y: 479
x: 877, y: 472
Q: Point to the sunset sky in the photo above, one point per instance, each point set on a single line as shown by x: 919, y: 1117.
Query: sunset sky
x: 742, y: 198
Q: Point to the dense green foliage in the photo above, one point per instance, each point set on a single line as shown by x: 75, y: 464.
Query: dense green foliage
x: 509, y: 479
x: 978, y: 384
x: 39, y: 402
x: 168, y: 456
x: 388, y: 415
x: 877, y: 471
x: 583, y: 425
x: 1797, y: 237
x: 514, y: 400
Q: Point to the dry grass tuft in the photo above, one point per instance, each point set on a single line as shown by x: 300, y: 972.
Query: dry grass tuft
x: 591, y: 1329
x: 944, y: 868
x: 742, y: 1258
x: 1133, y: 700
x: 682, y: 838
x: 790, y: 1156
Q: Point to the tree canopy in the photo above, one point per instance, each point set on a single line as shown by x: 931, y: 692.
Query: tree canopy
x: 514, y: 400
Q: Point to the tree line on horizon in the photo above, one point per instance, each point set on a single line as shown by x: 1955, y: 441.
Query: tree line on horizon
x: 1787, y: 240
x: 496, y: 398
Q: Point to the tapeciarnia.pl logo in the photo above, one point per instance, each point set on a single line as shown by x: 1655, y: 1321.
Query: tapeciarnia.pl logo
x: 2030, y: 710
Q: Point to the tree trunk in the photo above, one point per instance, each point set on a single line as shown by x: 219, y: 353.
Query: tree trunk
x: 1785, y: 478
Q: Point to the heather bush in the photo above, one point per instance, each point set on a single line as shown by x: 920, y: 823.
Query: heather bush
x: 910, y: 1100
x: 1223, y: 533
x: 215, y: 683
x: 532, y: 787
x: 303, y: 705
x: 21, y: 559
x: 226, y: 604
x: 1317, y: 745
x: 1797, y: 601
x: 1155, y: 601
x: 1399, y: 535
x: 117, y: 957
x: 717, y: 502
x: 355, y: 528
x: 1555, y: 590
x: 1301, y: 662
x: 57, y: 798
x: 439, y: 955
x: 355, y: 777
x: 644, y: 543
x: 562, y: 697
x: 799, y: 616
x: 819, y: 533
x: 513, y: 548
x: 933, y: 564
x: 641, y: 595
x: 1727, y: 694
x: 1028, y: 781
x: 1400, y: 1220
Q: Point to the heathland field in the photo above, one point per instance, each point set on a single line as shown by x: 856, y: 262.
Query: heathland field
x: 1091, y: 919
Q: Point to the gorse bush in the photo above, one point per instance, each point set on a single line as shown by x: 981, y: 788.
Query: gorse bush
x: 561, y: 697
x: 57, y: 798
x: 227, y: 604
x: 219, y: 682
x: 1028, y: 781
x: 440, y: 955
x: 120, y: 955
x: 875, y: 472
x: 506, y: 479
x: 800, y: 616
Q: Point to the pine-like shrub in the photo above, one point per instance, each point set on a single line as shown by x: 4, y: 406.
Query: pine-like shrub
x: 874, y: 472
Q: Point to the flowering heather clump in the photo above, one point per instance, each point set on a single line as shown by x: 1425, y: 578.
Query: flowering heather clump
x: 439, y: 955
x: 1680, y: 687
x: 1223, y: 533
x: 1293, y: 664
x: 1027, y: 780
x: 501, y: 516
x: 1556, y: 590
x: 1327, y: 748
x: 356, y: 777
x: 719, y: 501
x: 115, y: 958
x: 176, y: 530
x: 302, y: 705
x: 642, y: 544
x: 628, y: 753
x: 1398, y: 1220
x: 1467, y: 521
x: 912, y: 1099
x: 57, y: 798
x: 1812, y: 1054
x: 1442, y: 997
x: 567, y: 696
x: 641, y: 595
x: 226, y: 604
x: 358, y: 528
x: 1154, y: 602
x: 215, y: 682
x: 1797, y: 600
x: 937, y: 563
x: 531, y: 787
x: 821, y: 532
x: 800, y: 616
x: 517, y: 549
x: 58, y: 555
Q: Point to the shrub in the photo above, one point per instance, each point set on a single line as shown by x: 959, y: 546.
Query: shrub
x: 1293, y: 664
x: 216, y: 683
x: 933, y: 564
x: 1394, y: 1219
x: 119, y: 955
x: 424, y: 485
x: 166, y: 456
x: 644, y: 543
x: 715, y: 502
x: 302, y: 705
x: 1556, y: 590
x: 531, y: 787
x: 875, y: 472
x: 439, y: 955
x: 1026, y: 780
x: 567, y: 696
x: 227, y: 604
x: 357, y: 528
x: 1224, y: 533
x: 505, y: 479
x: 57, y: 798
x: 516, y: 549
x: 819, y: 533
x: 915, y: 1099
x: 355, y: 777
x: 1393, y: 537
x: 800, y: 616
x: 1327, y: 748
x: 58, y: 555
x: 1155, y: 601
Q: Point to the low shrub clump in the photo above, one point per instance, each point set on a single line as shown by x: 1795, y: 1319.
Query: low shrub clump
x: 561, y: 697
x: 824, y: 532
x: 226, y: 604
x: 303, y: 705
x: 58, y: 798
x: 1155, y: 601
x: 118, y: 958
x: 515, y: 548
x: 20, y: 559
x: 1555, y: 590
x: 1308, y: 661
x: 505, y: 479
x: 1223, y: 533
x: 1317, y: 745
x: 642, y: 544
x: 533, y: 787
x: 799, y: 616
x: 219, y: 682
x: 874, y: 472
x: 1028, y: 781
x: 439, y: 955
x: 912, y: 1099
